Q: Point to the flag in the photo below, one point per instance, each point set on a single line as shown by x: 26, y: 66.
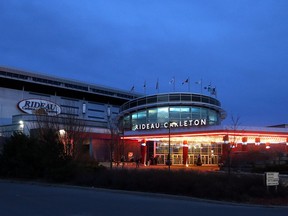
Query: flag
x: 185, y: 81
x: 213, y: 91
x: 208, y: 88
x: 144, y: 86
x: 157, y: 85
x: 132, y: 89
x: 198, y: 82
x: 172, y: 81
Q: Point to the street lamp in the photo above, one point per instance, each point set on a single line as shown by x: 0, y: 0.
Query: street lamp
x: 169, y: 150
x: 168, y: 161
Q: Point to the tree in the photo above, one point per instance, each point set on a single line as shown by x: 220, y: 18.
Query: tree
x: 114, y: 135
x: 71, y: 130
x: 32, y: 156
x: 231, y: 141
x: 20, y: 157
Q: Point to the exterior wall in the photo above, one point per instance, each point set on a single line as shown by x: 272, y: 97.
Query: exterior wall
x: 99, y: 149
x: 8, y: 104
x: 94, y: 106
x: 87, y: 110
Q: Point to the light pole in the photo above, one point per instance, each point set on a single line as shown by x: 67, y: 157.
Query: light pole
x: 168, y: 161
x: 169, y: 145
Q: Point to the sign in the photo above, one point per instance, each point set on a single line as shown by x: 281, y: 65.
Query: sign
x: 272, y: 178
x: 184, y: 123
x: 34, y: 106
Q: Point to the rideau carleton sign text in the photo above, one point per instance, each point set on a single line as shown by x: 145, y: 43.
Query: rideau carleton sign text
x: 185, y: 123
x: 32, y: 106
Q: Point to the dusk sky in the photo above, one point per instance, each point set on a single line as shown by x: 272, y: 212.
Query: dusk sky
x: 239, y: 46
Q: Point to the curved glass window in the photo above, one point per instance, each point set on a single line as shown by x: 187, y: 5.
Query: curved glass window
x: 161, y: 115
x: 152, y: 115
x: 174, y: 97
x: 152, y: 99
x: 170, y: 97
x: 162, y: 98
x: 185, y: 97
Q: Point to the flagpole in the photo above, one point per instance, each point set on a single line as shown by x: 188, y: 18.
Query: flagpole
x: 132, y: 89
x: 157, y: 85
x: 188, y: 84
x: 174, y: 83
x: 201, y: 85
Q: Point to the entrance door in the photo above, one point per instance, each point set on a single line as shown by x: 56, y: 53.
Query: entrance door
x: 191, y: 159
x: 205, y: 159
x: 177, y: 159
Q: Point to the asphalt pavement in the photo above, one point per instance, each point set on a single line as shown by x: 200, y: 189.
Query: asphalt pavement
x: 30, y: 198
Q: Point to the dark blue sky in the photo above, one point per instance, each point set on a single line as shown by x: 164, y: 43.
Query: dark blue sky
x: 239, y: 46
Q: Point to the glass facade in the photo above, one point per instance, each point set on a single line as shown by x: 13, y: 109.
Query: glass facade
x: 206, y: 153
x: 173, y: 113
x: 174, y: 110
x: 171, y: 107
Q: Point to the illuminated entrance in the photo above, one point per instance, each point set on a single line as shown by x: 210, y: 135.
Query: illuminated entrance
x: 157, y: 118
x: 187, y: 127
x: 182, y: 153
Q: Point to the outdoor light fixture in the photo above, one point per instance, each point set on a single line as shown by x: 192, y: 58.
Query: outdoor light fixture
x: 21, y: 124
x: 226, y: 139
x: 257, y: 141
x: 62, y: 132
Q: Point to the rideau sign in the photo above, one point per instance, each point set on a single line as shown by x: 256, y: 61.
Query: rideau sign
x: 34, y: 106
x: 185, y: 123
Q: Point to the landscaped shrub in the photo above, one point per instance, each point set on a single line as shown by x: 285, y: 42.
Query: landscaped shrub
x: 211, y: 185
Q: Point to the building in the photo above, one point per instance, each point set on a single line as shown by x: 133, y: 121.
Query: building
x: 91, y: 108
x: 180, y: 128
x: 188, y: 127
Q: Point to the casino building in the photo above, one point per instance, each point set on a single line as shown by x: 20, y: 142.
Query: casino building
x: 180, y: 128
x: 187, y: 127
x: 28, y: 99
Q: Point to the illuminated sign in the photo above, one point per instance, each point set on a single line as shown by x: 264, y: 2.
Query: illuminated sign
x: 38, y: 106
x: 184, y: 123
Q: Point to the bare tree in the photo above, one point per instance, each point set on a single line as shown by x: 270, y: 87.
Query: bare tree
x: 114, y: 135
x: 232, y: 140
x: 71, y: 130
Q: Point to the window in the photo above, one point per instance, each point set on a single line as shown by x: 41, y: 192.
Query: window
x: 174, y: 97
x: 141, y: 102
x: 152, y: 115
x: 152, y: 99
x: 163, y: 114
x: 185, y: 97
x: 162, y: 98
x: 175, y: 113
x: 196, y: 98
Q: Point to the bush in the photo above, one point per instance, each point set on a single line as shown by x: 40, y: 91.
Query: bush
x: 217, y: 186
x: 31, y: 158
